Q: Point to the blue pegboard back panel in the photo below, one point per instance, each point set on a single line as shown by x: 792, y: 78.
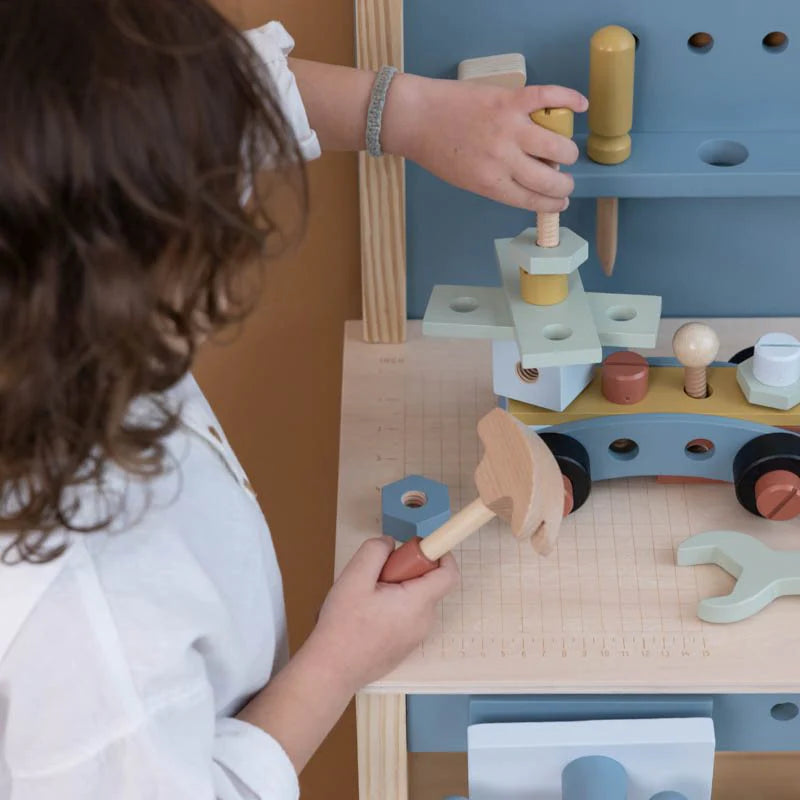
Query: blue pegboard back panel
x: 726, y: 256
x: 737, y: 85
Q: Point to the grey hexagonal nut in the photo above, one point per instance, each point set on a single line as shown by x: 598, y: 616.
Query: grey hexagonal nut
x: 414, y: 506
x: 571, y: 252
x: 759, y: 394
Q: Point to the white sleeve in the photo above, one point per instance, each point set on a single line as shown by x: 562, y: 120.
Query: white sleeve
x: 273, y: 44
x: 171, y: 754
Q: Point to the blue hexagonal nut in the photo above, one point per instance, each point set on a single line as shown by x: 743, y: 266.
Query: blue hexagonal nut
x: 414, y: 506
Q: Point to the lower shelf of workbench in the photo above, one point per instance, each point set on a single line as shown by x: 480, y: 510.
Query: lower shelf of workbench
x: 737, y: 776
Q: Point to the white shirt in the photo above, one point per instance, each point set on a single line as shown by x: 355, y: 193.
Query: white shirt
x: 122, y: 662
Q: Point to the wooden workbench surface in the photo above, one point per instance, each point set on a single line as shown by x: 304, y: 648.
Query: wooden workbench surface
x: 608, y: 611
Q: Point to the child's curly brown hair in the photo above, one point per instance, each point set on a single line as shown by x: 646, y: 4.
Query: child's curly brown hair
x: 129, y: 132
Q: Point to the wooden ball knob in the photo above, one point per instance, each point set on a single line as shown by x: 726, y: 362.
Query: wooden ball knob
x: 695, y: 345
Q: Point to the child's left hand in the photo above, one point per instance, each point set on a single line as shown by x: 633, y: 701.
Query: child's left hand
x: 481, y: 138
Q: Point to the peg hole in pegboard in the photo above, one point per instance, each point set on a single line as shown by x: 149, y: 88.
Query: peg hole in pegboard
x: 784, y: 712
x: 527, y: 375
x: 701, y: 42
x: 722, y: 153
x: 636, y: 41
x: 775, y: 42
x: 464, y: 305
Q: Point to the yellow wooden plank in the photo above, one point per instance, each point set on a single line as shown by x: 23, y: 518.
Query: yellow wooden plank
x: 665, y: 396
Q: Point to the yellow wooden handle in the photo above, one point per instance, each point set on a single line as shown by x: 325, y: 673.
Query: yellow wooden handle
x: 459, y: 527
x: 611, y: 65
x: 558, y: 120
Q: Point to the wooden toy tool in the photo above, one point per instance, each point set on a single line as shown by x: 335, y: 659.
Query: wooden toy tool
x: 611, y: 67
x: 762, y: 574
x: 518, y: 480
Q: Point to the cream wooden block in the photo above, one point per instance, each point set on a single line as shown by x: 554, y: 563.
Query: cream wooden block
x: 609, y: 611
x: 382, y: 752
x: 507, y: 70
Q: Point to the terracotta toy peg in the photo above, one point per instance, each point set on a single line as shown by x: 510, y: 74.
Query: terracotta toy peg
x: 696, y: 346
x: 518, y: 480
x: 625, y: 378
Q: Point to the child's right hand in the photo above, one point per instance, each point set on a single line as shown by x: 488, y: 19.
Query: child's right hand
x: 367, y: 628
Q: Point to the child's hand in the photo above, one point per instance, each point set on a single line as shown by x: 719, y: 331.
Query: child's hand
x: 481, y: 138
x: 366, y: 628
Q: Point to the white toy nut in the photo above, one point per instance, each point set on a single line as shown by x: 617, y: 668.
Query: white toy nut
x: 777, y: 360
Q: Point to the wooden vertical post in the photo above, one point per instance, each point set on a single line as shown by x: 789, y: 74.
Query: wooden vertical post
x: 382, y: 754
x: 379, y: 41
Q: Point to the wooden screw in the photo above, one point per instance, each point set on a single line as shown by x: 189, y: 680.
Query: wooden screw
x: 548, y: 290
x: 696, y: 346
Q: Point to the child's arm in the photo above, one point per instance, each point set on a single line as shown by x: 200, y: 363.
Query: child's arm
x: 479, y: 138
x: 365, y: 629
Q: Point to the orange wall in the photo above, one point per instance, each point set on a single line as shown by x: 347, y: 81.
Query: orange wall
x: 276, y: 387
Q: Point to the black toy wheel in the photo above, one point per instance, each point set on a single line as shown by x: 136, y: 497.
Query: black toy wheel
x: 762, y: 455
x: 573, y: 460
x: 742, y: 355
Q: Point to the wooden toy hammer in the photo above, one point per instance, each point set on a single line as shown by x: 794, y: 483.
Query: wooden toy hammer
x: 518, y: 480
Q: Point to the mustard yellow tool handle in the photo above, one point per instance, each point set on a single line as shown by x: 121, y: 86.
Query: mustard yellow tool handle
x: 558, y: 120
x: 611, y: 67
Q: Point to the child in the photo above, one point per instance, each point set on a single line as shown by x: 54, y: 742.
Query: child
x: 142, y: 638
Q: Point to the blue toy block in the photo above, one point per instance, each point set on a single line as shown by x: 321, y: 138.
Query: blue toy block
x: 594, y: 778
x: 414, y: 506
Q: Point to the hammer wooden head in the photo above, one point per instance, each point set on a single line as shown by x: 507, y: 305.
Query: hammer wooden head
x: 520, y: 480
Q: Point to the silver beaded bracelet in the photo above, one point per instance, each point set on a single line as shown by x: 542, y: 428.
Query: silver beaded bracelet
x: 375, y: 112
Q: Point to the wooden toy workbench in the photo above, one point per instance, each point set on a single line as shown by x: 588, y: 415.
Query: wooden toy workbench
x: 607, y: 612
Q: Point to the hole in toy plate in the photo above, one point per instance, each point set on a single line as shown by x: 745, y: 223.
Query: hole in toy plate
x: 463, y: 305
x: 775, y: 42
x: 784, y: 712
x: 700, y: 42
x: 621, y: 313
x: 623, y: 449
x: 557, y: 332
x: 414, y: 499
x: 699, y: 449
x: 722, y: 153
x: 527, y: 375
